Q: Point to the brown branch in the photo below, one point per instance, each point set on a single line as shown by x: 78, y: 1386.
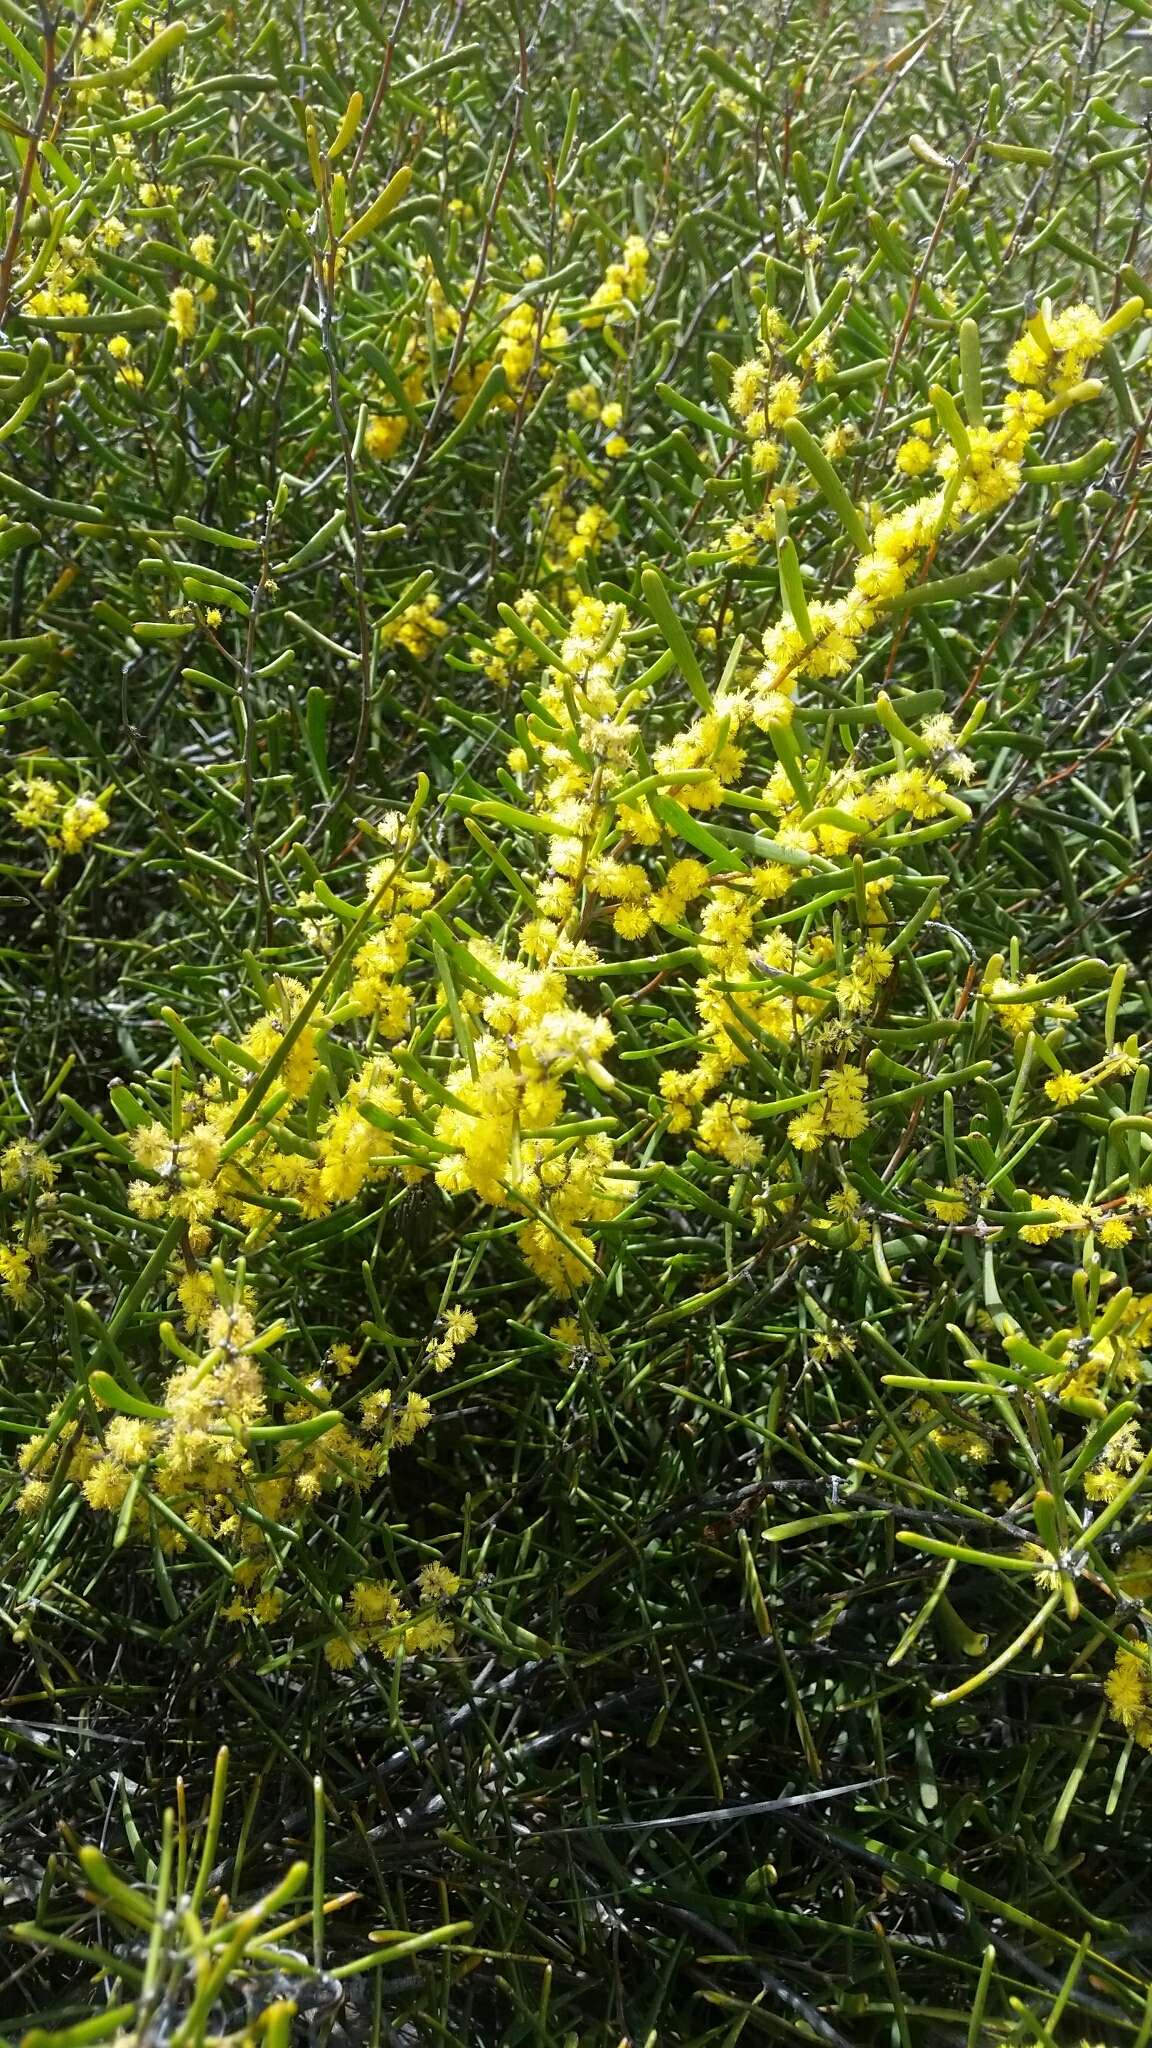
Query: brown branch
x: 28, y: 171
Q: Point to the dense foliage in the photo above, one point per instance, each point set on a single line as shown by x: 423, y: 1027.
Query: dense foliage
x: 576, y: 1198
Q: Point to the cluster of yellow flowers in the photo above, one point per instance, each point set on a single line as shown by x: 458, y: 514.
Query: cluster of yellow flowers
x: 183, y: 313
x: 819, y: 810
x: 417, y: 628
x: 52, y: 289
x: 385, y: 431
x: 493, y: 1128
x: 380, y: 1621
x: 1056, y: 348
x: 586, y: 402
x: 457, y: 1325
x: 1112, y: 1224
x: 58, y: 296
x: 623, y: 286
x: 765, y: 394
x: 1092, y: 1370
x: 330, y: 1088
x: 501, y: 1131
x: 1128, y: 1690
x: 207, y: 1464
x: 194, y: 1171
x: 502, y: 657
x: 574, y: 532
x: 606, y: 812
x: 525, y: 345
x: 27, y: 1173
x: 981, y: 468
x: 64, y: 823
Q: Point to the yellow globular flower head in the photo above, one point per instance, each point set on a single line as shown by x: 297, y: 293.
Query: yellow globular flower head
x: 1064, y: 1088
x: 1128, y: 1691
x: 263, y: 1040
x: 418, y: 627
x: 749, y: 380
x: 65, y: 823
x: 16, y: 1274
x: 623, y: 287
x: 456, y: 1326
x: 183, y: 313
x: 724, y: 1129
x: 384, y: 434
x: 783, y: 400
x: 25, y: 1166
x: 81, y: 820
